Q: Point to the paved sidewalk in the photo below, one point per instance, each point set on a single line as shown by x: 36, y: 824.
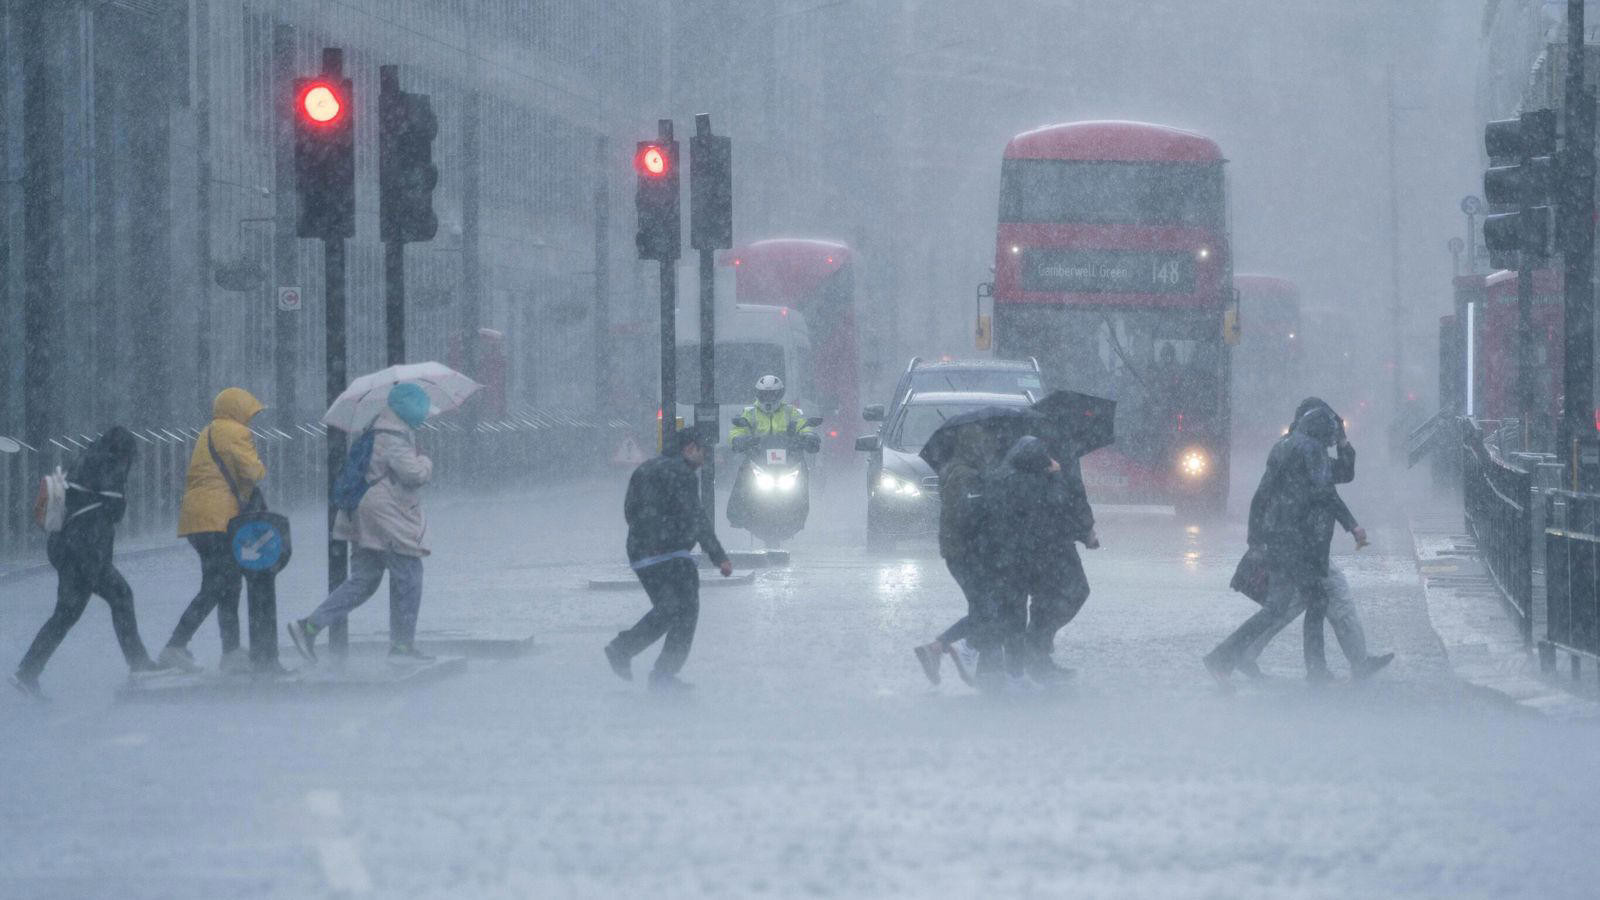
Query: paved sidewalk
x: 1468, y: 613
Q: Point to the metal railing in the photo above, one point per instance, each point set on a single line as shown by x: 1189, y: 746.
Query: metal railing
x: 517, y: 450
x: 1572, y: 577
x: 1498, y: 501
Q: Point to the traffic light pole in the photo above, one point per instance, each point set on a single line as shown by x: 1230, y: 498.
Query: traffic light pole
x: 334, y: 358
x: 1578, y: 439
x: 394, y: 257
x: 708, y: 346
x: 669, y: 325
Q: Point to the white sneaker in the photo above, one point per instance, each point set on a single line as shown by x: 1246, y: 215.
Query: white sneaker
x: 235, y: 662
x: 178, y: 658
x: 965, y: 657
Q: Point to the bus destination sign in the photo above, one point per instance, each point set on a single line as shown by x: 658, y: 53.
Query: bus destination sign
x: 1107, y: 272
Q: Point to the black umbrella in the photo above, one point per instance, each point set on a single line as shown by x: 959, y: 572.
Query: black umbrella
x: 1078, y: 423
x: 1003, y: 423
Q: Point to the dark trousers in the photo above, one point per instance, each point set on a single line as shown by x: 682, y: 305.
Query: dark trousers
x: 1051, y: 608
x: 220, y: 580
x: 674, y: 589
x: 73, y: 590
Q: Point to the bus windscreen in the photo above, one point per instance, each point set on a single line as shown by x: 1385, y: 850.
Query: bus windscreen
x: 1054, y: 191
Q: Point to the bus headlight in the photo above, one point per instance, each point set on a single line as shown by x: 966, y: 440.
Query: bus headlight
x: 891, y: 484
x: 1194, y: 463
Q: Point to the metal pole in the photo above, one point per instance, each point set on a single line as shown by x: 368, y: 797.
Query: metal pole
x: 202, y: 202
x: 394, y: 257
x: 603, y: 383
x: 1577, y: 430
x: 394, y: 301
x: 669, y: 329
x: 285, y: 256
x: 1525, y: 262
x: 708, y: 361
x: 334, y: 359
x: 338, y: 551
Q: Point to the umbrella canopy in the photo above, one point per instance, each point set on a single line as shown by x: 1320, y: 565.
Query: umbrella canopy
x: 1078, y: 424
x: 1004, y: 423
x: 367, y: 396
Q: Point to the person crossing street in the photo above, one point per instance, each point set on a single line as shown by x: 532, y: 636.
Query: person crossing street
x: 665, y: 521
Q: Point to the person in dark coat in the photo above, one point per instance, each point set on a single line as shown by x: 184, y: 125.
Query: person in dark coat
x: 1038, y: 516
x: 962, y: 543
x: 665, y: 521
x: 81, y: 554
x: 1290, y: 515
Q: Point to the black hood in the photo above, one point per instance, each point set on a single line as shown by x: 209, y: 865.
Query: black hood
x: 105, y: 464
x: 1028, y: 454
x: 1320, y: 424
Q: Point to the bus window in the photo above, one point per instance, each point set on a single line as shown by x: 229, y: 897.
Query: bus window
x: 1111, y: 193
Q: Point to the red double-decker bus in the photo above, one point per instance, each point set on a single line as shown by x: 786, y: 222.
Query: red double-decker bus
x: 1269, y: 361
x: 1113, y: 268
x: 816, y: 278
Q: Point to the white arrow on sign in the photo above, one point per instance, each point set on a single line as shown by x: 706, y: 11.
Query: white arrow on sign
x: 289, y: 299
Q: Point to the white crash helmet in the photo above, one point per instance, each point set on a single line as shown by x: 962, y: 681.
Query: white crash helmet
x: 769, y: 393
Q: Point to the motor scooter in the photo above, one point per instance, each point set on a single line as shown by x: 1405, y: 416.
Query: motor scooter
x: 771, y: 494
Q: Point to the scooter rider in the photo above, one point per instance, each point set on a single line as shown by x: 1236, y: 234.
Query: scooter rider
x: 769, y: 415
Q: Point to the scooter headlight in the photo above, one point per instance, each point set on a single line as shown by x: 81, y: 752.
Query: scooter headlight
x: 788, y: 480
x: 765, y: 481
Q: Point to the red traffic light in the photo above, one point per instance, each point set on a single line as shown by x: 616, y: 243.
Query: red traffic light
x: 320, y: 103
x: 651, y: 161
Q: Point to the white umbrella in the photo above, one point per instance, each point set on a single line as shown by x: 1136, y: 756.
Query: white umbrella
x: 368, y: 395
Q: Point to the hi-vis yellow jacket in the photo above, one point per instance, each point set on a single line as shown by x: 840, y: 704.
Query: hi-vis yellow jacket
x: 775, y: 422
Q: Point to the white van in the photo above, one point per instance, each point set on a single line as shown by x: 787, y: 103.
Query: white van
x: 752, y: 341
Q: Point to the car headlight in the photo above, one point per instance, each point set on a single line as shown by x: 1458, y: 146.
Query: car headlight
x: 765, y: 481
x: 893, y: 484
x: 1194, y: 463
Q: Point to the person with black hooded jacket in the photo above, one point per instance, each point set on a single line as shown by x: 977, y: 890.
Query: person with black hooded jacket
x: 1291, y: 521
x: 81, y: 554
x: 665, y: 521
x: 1041, y: 512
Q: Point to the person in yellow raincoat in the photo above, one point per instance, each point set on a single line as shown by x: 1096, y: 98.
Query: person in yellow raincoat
x: 209, y: 503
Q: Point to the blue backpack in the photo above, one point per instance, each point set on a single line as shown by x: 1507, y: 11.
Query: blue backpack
x: 352, y: 483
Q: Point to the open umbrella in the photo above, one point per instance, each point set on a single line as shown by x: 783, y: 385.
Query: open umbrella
x: 367, y: 396
x: 1004, y: 423
x: 1077, y: 424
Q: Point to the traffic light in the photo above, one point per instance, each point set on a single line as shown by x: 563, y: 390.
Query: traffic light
x: 656, y: 199
x: 325, y: 156
x: 1523, y: 188
x: 710, y: 189
x: 406, y: 173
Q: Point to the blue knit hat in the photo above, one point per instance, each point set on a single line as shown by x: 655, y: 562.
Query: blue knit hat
x: 410, y: 403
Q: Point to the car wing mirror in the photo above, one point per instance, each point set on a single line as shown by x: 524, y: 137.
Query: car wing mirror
x: 869, y: 443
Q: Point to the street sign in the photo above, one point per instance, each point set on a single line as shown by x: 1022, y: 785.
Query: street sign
x: 289, y: 299
x: 1471, y: 205
x: 1456, y: 245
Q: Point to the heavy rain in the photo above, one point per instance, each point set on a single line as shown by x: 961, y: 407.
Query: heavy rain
x: 597, y: 448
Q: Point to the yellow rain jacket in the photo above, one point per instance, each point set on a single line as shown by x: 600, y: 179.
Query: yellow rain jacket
x: 775, y: 422
x: 208, y: 504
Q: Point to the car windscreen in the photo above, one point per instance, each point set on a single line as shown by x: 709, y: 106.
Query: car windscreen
x: 919, y: 421
x: 990, y: 381
x: 739, y: 364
